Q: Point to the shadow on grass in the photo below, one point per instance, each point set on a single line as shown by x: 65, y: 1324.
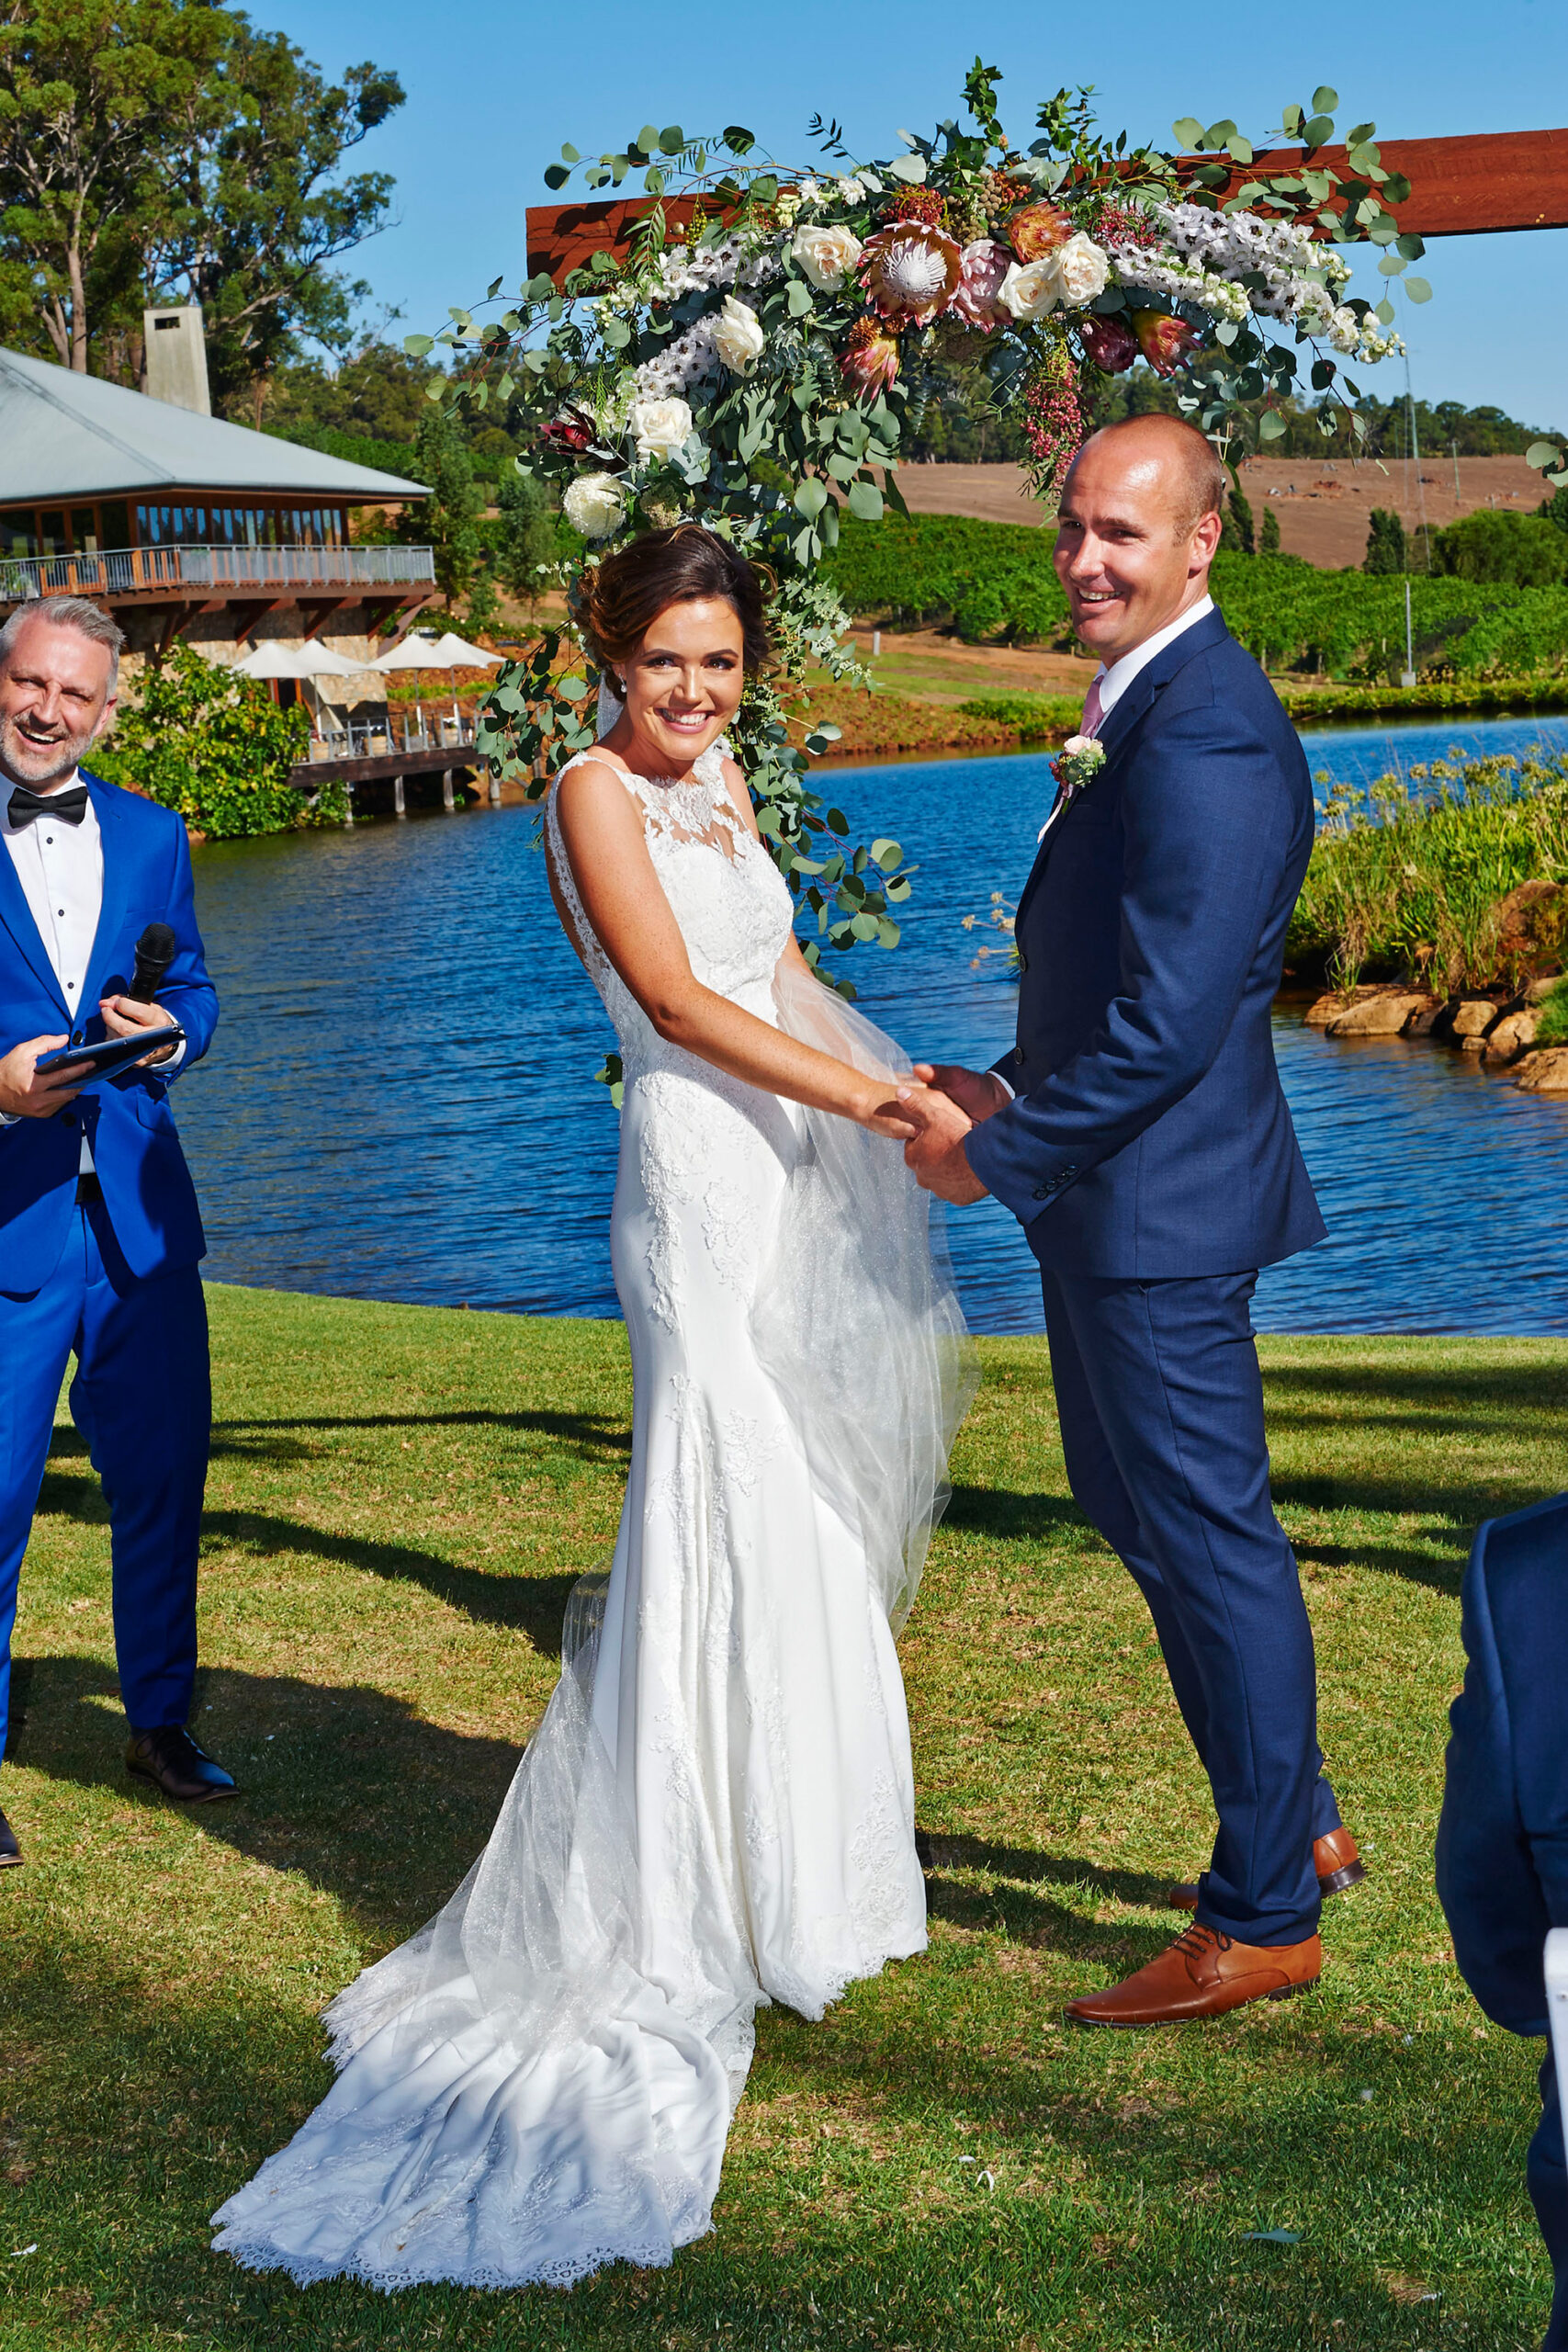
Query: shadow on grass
x: 342, y: 1783
x: 1011, y: 1516
x: 600, y: 1440
x: 146, y: 2109
x: 534, y: 1606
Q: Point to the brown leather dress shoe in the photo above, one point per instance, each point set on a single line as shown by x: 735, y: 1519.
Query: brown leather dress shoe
x: 1201, y: 1974
x: 1335, y: 1859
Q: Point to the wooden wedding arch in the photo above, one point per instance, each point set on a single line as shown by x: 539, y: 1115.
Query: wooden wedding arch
x: 1459, y: 187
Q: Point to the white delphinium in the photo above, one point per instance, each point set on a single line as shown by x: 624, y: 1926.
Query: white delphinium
x: 683, y: 365
x: 1276, y: 268
x: 685, y: 269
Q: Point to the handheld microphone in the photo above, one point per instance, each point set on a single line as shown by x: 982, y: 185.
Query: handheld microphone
x: 154, y: 953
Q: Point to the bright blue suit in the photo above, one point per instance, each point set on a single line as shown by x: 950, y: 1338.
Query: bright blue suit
x: 1150, y: 1157
x: 114, y: 1283
x: 1502, y: 1839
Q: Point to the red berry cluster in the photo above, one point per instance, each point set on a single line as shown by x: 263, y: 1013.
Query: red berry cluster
x: 919, y: 204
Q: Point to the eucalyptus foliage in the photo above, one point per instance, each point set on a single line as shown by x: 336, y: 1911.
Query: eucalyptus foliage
x: 752, y: 343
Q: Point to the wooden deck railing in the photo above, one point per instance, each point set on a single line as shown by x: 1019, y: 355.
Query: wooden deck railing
x: 129, y: 571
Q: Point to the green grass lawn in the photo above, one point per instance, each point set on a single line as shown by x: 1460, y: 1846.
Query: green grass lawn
x: 400, y: 1501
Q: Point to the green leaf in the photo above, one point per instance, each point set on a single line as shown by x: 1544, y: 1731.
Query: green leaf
x: 1395, y: 188
x: 1319, y: 130
x: 811, y: 498
x: 1271, y: 425
x: 911, y: 168
x: 1326, y: 101
x: 648, y: 138
x: 569, y: 155
x: 1359, y: 136
x: 1384, y: 312
x: 1272, y: 2237
x: 1188, y: 133
x: 1418, y: 290
x: 1412, y: 247
x: 672, y: 140
x: 557, y: 174
x: 1239, y: 148
x: 838, y: 823
x: 738, y: 140
x: 1391, y: 264
x: 864, y: 926
x: 865, y: 502
x: 888, y: 934
x: 1291, y: 120
x: 1542, y: 453
x: 800, y: 297
x: 887, y: 854
x: 1218, y: 132
x: 416, y: 346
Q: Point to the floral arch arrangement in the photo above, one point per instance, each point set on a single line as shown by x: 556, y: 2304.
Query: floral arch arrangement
x: 751, y: 353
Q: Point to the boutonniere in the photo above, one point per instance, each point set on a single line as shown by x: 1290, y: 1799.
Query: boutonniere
x: 1077, y: 764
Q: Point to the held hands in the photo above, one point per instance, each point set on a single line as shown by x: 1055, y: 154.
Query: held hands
x: 941, y: 1113
x: 25, y: 1093
x: 124, y: 1015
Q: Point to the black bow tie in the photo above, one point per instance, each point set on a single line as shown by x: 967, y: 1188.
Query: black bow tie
x: 70, y: 806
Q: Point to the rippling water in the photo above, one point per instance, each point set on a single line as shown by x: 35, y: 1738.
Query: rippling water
x: 400, y: 1103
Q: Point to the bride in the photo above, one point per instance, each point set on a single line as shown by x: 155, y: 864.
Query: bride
x: 717, y: 1809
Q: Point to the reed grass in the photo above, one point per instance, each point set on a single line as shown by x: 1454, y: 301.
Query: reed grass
x: 1407, y: 879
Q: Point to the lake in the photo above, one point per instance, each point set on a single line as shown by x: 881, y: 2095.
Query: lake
x: 401, y: 1102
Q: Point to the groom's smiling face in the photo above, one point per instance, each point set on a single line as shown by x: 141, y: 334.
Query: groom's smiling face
x: 1131, y: 552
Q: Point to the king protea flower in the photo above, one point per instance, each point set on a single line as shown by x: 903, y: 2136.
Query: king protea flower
x: 869, y: 360
x: 1110, y: 342
x: 1165, y: 342
x: 910, y: 270
x: 1038, y: 229
x: 982, y: 267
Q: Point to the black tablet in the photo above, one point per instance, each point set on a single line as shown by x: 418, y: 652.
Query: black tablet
x: 113, y: 1054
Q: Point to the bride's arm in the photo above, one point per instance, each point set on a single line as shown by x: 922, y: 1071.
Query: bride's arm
x: 601, y: 831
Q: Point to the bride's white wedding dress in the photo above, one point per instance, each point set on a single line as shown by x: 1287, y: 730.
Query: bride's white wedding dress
x: 717, y: 1808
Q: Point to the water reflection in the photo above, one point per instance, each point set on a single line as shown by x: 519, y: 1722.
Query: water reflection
x: 400, y: 1105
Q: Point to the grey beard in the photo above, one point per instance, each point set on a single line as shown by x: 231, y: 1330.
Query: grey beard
x: 41, y: 767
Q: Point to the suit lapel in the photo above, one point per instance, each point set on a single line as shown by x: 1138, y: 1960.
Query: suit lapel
x: 1117, y: 727
x: 108, y: 807
x: 16, y: 916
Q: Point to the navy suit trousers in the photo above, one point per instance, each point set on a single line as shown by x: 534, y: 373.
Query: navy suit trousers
x: 142, y: 1400
x: 1161, y: 1407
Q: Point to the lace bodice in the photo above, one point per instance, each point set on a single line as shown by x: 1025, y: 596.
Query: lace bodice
x: 730, y: 901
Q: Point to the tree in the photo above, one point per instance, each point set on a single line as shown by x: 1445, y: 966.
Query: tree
x: 448, y: 520
x: 164, y: 150
x: 1269, y: 538
x: 1555, y: 509
x: 527, y: 534
x: 1521, y: 549
x: 88, y: 89
x: 1386, y: 551
x: 1236, y: 528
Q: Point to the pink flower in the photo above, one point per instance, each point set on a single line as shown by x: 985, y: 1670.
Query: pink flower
x: 910, y: 270
x: 982, y: 267
x: 1166, y: 343
x: 1110, y: 342
x: 869, y: 360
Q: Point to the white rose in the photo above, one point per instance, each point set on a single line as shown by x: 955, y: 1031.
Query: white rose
x: 1029, y: 291
x: 1082, y: 270
x: 660, y: 427
x: 1078, y: 744
x: 595, y: 506
x: 825, y: 255
x: 737, y: 335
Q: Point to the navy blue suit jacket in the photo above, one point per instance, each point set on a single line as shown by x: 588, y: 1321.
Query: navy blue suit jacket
x: 1503, y: 1838
x: 1150, y: 1137
x: 147, y: 1187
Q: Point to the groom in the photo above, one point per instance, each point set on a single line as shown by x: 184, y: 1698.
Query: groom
x: 1139, y: 1134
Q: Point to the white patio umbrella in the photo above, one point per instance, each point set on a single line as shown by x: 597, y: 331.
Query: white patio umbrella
x: 275, y: 658
x: 421, y: 651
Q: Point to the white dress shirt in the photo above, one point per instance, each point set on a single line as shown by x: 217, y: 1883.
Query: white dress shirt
x: 1114, y: 679
x: 61, y: 869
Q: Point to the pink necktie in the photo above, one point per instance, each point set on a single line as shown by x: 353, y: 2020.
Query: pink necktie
x: 1093, y: 710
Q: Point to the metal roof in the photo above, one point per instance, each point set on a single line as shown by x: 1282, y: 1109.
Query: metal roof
x: 64, y: 436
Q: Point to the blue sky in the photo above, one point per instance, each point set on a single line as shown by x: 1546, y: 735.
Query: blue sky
x: 493, y: 89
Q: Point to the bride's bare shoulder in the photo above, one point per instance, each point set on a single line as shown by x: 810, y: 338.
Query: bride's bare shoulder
x: 593, y: 781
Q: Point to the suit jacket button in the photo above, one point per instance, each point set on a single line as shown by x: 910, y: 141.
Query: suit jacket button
x: 1023, y: 961
x: 1018, y: 1056
x: 68, y: 1118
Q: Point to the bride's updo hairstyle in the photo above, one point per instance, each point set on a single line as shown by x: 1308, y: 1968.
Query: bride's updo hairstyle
x: 620, y: 599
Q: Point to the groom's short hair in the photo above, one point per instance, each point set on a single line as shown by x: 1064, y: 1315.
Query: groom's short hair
x: 1199, y: 486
